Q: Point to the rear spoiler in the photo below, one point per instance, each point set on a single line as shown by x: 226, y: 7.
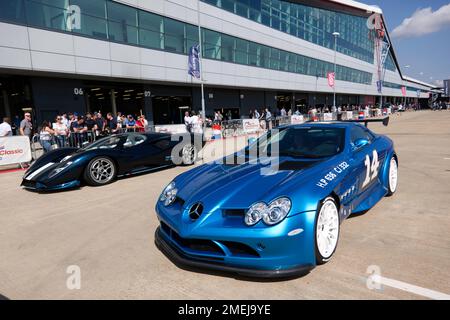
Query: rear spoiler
x: 366, y: 122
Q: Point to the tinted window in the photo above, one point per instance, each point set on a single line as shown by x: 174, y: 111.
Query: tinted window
x: 105, y: 143
x: 134, y: 140
x: 303, y: 142
x: 358, y: 132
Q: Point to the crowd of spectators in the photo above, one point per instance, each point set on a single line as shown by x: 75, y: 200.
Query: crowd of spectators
x: 73, y: 129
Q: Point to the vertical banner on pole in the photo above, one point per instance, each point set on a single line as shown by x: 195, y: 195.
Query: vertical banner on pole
x: 194, y: 61
x: 404, y: 91
x: 331, y: 79
x: 380, y: 86
x: 447, y: 88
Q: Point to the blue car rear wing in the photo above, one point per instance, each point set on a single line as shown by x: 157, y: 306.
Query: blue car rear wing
x: 366, y: 122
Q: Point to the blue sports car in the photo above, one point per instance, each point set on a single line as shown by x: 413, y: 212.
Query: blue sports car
x: 114, y: 156
x: 274, y: 209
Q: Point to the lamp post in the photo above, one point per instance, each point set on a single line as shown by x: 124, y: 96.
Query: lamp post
x: 335, y: 35
x: 403, y: 81
x: 201, y: 64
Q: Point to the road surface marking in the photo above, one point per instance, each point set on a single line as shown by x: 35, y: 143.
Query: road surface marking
x: 410, y: 288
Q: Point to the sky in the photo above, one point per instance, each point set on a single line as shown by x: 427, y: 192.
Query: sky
x: 420, y: 33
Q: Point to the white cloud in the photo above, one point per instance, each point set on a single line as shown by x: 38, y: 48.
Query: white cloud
x: 422, y: 22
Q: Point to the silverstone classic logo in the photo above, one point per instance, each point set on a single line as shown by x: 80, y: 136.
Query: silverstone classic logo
x: 6, y: 152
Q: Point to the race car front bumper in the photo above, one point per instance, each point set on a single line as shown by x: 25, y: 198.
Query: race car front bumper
x: 182, y: 259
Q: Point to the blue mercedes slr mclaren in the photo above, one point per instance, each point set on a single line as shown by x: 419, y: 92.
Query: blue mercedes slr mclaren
x: 274, y: 209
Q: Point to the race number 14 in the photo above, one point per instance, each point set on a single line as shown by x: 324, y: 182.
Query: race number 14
x: 372, y: 168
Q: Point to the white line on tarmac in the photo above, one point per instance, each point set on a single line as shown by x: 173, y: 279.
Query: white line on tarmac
x: 410, y: 288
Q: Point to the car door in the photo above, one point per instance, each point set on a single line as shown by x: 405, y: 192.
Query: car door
x: 364, y: 161
x: 163, y: 147
x: 137, y: 151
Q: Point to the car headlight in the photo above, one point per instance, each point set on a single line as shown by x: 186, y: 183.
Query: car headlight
x: 271, y: 214
x: 169, y: 194
x: 255, y: 213
x: 277, y: 211
x: 60, y: 168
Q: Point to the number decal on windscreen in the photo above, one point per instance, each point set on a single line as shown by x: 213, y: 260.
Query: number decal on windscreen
x: 371, y: 168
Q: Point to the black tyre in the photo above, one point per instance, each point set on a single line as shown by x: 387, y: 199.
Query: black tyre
x: 100, y: 171
x: 326, y: 230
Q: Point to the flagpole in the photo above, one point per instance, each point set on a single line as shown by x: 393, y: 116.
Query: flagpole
x: 200, y: 55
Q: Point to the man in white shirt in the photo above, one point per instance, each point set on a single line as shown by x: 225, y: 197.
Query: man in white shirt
x: 188, y: 121
x: 5, y: 128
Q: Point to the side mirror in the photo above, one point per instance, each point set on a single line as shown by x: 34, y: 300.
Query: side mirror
x: 360, y: 143
x: 251, y: 140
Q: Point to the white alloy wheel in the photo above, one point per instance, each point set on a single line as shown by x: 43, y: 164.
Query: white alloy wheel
x: 189, y: 154
x: 393, y: 176
x: 101, y: 171
x: 327, y: 230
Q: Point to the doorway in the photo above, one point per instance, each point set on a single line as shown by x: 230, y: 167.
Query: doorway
x: 170, y: 109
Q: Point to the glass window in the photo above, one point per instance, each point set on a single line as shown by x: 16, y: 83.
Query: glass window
x: 265, y: 56
x: 253, y: 54
x: 241, y: 55
x: 191, y: 35
x: 358, y: 132
x: 274, y: 58
x: 303, y: 142
x: 227, y: 48
x: 122, y: 23
x: 173, y: 35
x: 284, y: 60
x: 47, y: 14
x: 151, y: 27
x: 12, y: 11
x: 93, y: 18
x: 212, y: 43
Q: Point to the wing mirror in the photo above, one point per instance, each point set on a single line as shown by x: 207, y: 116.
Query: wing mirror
x: 360, y: 143
x: 251, y: 140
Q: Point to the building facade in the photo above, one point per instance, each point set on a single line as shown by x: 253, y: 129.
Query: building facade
x: 132, y: 56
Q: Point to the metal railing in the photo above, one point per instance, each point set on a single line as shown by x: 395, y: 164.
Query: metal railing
x: 41, y: 145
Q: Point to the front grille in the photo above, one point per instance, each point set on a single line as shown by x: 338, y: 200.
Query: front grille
x: 208, y: 246
x: 199, y: 245
x: 233, y: 212
x: 240, y: 249
x: 179, y: 201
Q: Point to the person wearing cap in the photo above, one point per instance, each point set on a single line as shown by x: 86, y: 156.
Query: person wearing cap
x: 26, y: 127
x: 130, y: 123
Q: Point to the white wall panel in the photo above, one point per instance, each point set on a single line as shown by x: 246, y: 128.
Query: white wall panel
x: 13, y: 36
x: 15, y: 58
x: 124, y: 53
x: 49, y: 41
x: 85, y: 47
x: 45, y: 61
x: 93, y: 66
x: 125, y: 70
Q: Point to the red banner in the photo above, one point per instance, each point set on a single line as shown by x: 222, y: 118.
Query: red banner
x: 331, y: 78
x: 404, y: 91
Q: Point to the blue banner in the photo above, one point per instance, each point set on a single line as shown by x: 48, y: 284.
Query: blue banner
x: 194, y: 61
x: 380, y: 86
x: 447, y: 88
